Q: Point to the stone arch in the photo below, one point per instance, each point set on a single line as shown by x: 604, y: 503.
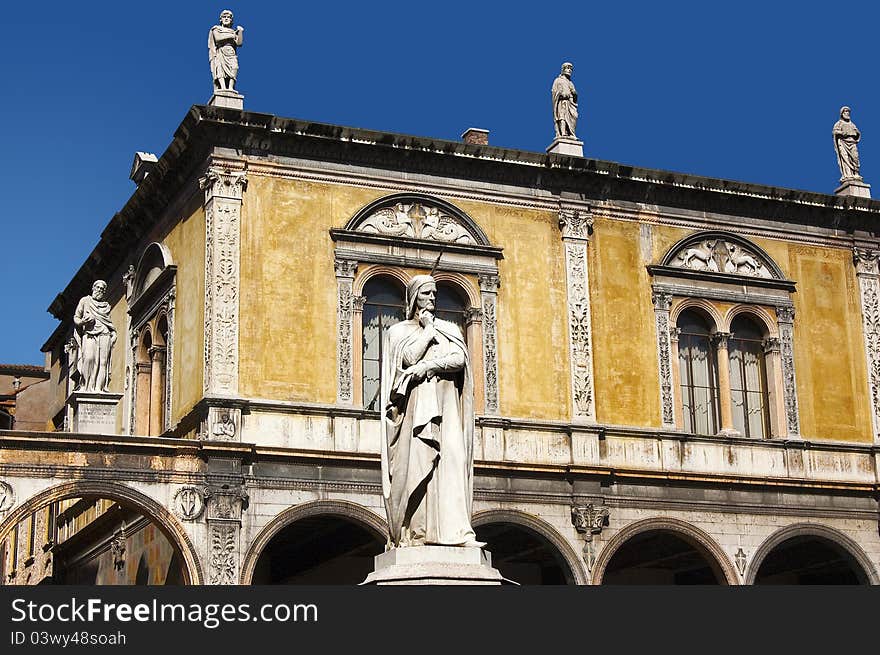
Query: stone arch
x: 377, y: 270
x: 758, y: 314
x: 466, y: 222
x: 810, y: 530
x: 155, y: 259
x: 686, y: 531
x: 462, y: 284
x: 693, y: 241
x: 541, y: 527
x: 709, y: 311
x: 164, y: 519
x: 339, y: 508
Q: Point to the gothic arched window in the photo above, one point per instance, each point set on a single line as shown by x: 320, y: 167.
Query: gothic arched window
x: 383, y: 308
x: 748, y: 379
x: 699, y: 375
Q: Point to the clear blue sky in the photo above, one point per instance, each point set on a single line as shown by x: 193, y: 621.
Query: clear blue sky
x: 745, y: 91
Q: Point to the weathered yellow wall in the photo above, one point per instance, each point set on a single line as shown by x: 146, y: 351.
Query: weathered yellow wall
x: 119, y: 317
x: 186, y: 241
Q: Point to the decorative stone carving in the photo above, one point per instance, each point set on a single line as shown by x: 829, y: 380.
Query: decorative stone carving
x: 223, y: 42
x: 488, y: 292
x: 662, y: 303
x: 225, y: 504
x: 866, y: 262
x: 117, y: 550
x: 785, y: 319
x: 740, y: 559
x: 575, y: 228
x: 188, y: 503
x: 222, y: 424
x: 846, y: 137
x: 95, y: 336
x: 565, y: 103
x: 345, y: 271
x: 223, y: 195
x: 7, y: 496
x: 224, y: 555
x: 772, y: 345
x: 589, y: 520
x: 128, y: 281
x: 719, y: 256
x: 417, y: 220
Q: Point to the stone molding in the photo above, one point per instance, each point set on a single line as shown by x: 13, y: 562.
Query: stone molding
x: 662, y: 303
x: 866, y: 263
x: 224, y: 189
x: 575, y: 226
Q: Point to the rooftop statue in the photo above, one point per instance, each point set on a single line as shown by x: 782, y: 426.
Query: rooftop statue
x: 846, y: 136
x: 565, y: 109
x: 427, y: 395
x: 95, y: 335
x: 223, y: 41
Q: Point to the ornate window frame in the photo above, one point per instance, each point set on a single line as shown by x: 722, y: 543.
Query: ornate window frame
x: 389, y: 236
x: 710, y: 270
x: 148, y: 301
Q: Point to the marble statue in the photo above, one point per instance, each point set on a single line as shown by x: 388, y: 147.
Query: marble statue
x: 95, y: 335
x: 846, y: 136
x: 222, y: 44
x: 565, y: 109
x: 427, y: 426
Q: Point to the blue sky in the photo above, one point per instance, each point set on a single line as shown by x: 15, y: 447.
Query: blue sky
x: 745, y: 91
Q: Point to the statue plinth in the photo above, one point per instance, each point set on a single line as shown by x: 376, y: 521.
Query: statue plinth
x: 92, y: 412
x: 853, y: 187
x: 566, y: 145
x: 224, y: 98
x: 435, y: 565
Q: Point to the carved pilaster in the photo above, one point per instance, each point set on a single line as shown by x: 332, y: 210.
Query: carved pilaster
x: 866, y: 263
x: 225, y: 505
x: 785, y: 319
x: 223, y: 197
x: 575, y: 227
x: 345, y: 271
x: 662, y: 303
x: 489, y: 296
x: 589, y: 520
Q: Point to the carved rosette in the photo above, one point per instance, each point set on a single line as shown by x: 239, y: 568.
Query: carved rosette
x: 866, y: 263
x: 489, y: 297
x: 223, y: 197
x: 662, y: 303
x: 785, y: 319
x: 575, y: 227
x: 346, y: 305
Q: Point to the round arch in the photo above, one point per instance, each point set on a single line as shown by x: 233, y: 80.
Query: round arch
x: 541, y: 527
x: 708, y: 309
x: 719, y: 235
x: 760, y: 315
x: 376, y: 270
x: 810, y: 530
x: 462, y: 284
x: 338, y: 508
x: 686, y: 531
x: 164, y: 520
x: 155, y: 259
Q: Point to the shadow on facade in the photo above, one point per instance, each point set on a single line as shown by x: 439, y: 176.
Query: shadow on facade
x: 661, y: 557
x: 523, y: 555
x: 810, y: 559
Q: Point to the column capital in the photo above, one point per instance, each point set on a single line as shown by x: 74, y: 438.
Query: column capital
x: 866, y: 261
x: 720, y: 339
x: 662, y: 300
x: 575, y: 223
x: 223, y: 182
x: 785, y: 314
x: 156, y: 352
x: 489, y: 283
x: 772, y: 345
x: 345, y: 268
x: 473, y: 315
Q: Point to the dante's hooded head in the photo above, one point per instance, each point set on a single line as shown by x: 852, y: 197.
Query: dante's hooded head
x: 412, y: 292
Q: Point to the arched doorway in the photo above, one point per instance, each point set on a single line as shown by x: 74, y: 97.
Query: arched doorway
x: 526, y: 550
x: 325, y: 543
x: 663, y: 552
x: 802, y: 555
x: 95, y: 533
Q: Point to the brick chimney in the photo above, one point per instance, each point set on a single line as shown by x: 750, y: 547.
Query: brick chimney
x: 475, y: 136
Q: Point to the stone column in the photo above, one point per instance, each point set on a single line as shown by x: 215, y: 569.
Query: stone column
x: 489, y: 296
x: 157, y: 389
x: 223, y: 189
x: 785, y: 320
x: 225, y: 504
x: 473, y: 321
x: 674, y: 333
x: 575, y: 226
x: 357, y: 340
x: 662, y: 302
x: 775, y: 395
x: 142, y: 398
x: 722, y: 359
x: 345, y: 271
x: 866, y: 263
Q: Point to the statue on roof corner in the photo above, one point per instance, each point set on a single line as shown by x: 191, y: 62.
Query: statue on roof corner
x: 223, y: 42
x: 565, y: 109
x: 846, y: 138
x: 95, y: 336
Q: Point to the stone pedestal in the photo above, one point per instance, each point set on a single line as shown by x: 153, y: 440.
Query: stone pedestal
x: 92, y: 412
x: 566, y: 146
x: 435, y: 565
x: 231, y: 99
x: 856, y: 188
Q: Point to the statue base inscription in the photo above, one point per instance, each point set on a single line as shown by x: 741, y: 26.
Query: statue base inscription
x: 566, y: 146
x: 853, y: 188
x: 230, y: 99
x: 435, y: 565
x: 91, y: 412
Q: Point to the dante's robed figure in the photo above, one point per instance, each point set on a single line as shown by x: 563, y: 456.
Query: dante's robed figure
x: 427, y: 426
x: 222, y: 44
x: 565, y: 108
x: 846, y: 136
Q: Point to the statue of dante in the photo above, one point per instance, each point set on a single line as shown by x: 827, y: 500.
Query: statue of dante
x: 427, y: 426
x: 565, y: 108
x: 846, y: 136
x: 95, y: 336
x: 222, y: 44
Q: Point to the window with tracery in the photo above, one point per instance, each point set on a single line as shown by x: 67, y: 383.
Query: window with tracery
x: 748, y: 378
x: 383, y: 308
x: 698, y: 374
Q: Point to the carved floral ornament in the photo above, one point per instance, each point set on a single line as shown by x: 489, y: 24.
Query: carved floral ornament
x: 717, y: 252
x: 418, y: 218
